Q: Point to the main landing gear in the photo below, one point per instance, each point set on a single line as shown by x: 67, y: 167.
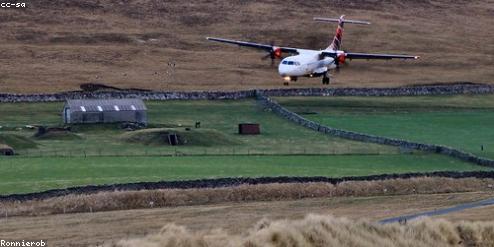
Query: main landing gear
x: 325, y: 79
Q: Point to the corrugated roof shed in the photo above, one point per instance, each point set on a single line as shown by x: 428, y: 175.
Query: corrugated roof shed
x: 97, y: 105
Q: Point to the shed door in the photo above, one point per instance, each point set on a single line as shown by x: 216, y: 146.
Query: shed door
x: 67, y: 115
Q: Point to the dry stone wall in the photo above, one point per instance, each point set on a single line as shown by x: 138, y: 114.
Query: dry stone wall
x: 276, y: 108
x: 440, y: 89
x: 229, y: 182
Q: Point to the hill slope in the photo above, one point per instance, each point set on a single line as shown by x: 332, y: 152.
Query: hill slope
x: 57, y: 45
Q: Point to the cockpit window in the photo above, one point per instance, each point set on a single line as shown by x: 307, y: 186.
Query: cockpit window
x: 291, y: 63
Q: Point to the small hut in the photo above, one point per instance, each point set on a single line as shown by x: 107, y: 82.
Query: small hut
x: 249, y: 129
x: 6, y: 150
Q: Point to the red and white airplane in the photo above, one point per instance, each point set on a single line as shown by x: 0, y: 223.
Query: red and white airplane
x: 313, y: 63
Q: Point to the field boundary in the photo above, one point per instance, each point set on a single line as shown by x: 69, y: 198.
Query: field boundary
x: 418, y: 90
x: 231, y: 182
x: 281, y: 111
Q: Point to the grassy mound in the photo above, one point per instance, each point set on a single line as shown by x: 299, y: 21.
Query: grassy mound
x: 193, y: 137
x: 318, y: 230
x: 58, y: 135
x: 16, y: 141
x: 94, y: 127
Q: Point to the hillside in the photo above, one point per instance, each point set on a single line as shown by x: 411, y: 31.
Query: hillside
x: 57, y: 45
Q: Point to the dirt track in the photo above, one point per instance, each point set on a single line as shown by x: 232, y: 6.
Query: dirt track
x: 56, y: 45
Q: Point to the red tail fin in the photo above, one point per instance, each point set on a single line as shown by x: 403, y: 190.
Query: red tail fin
x: 336, y: 43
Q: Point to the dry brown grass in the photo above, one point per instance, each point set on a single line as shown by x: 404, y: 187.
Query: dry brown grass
x: 318, y: 230
x: 90, y: 229
x: 124, y: 200
x: 57, y: 45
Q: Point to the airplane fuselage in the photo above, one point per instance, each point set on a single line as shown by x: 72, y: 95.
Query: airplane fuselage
x: 307, y: 63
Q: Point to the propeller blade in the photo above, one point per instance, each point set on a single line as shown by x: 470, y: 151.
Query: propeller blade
x: 266, y: 56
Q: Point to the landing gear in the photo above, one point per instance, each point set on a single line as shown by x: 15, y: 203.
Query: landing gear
x: 288, y: 79
x: 325, y: 79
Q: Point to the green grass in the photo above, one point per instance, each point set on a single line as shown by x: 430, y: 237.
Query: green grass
x: 278, y: 136
x: 16, y: 141
x: 220, y: 118
x: 465, y: 122
x: 21, y: 114
x: 21, y: 175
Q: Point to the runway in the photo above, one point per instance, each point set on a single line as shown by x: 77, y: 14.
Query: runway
x: 443, y: 211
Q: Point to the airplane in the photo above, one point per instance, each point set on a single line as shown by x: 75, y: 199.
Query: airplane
x: 313, y: 63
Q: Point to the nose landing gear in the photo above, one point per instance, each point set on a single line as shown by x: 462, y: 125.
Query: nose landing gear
x: 288, y: 79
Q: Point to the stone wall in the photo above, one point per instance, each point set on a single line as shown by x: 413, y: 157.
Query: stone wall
x: 276, y: 108
x: 229, y: 182
x: 440, y: 89
x: 206, y: 95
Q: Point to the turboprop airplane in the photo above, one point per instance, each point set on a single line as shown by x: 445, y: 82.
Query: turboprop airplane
x: 313, y: 63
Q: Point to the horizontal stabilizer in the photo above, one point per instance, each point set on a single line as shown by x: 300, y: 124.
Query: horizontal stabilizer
x: 321, y: 19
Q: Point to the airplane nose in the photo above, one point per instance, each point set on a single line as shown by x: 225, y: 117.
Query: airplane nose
x: 282, y: 70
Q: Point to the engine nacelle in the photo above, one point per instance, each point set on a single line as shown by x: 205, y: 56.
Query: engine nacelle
x: 277, y: 52
x: 341, y: 58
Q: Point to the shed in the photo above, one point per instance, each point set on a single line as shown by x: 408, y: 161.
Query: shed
x: 249, y: 129
x: 6, y: 150
x: 104, y: 111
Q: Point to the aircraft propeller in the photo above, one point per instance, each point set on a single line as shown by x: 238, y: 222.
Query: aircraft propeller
x: 274, y: 53
x: 339, y: 61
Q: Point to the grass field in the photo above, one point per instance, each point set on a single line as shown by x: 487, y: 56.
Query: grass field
x: 464, y: 122
x: 104, y: 154
x: 221, y: 117
x: 20, y: 175
x: 57, y: 45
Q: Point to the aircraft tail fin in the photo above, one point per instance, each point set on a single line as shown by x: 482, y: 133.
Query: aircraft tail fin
x: 336, y: 42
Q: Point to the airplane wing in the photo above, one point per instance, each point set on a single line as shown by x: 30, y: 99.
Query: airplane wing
x: 351, y: 55
x: 265, y: 47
